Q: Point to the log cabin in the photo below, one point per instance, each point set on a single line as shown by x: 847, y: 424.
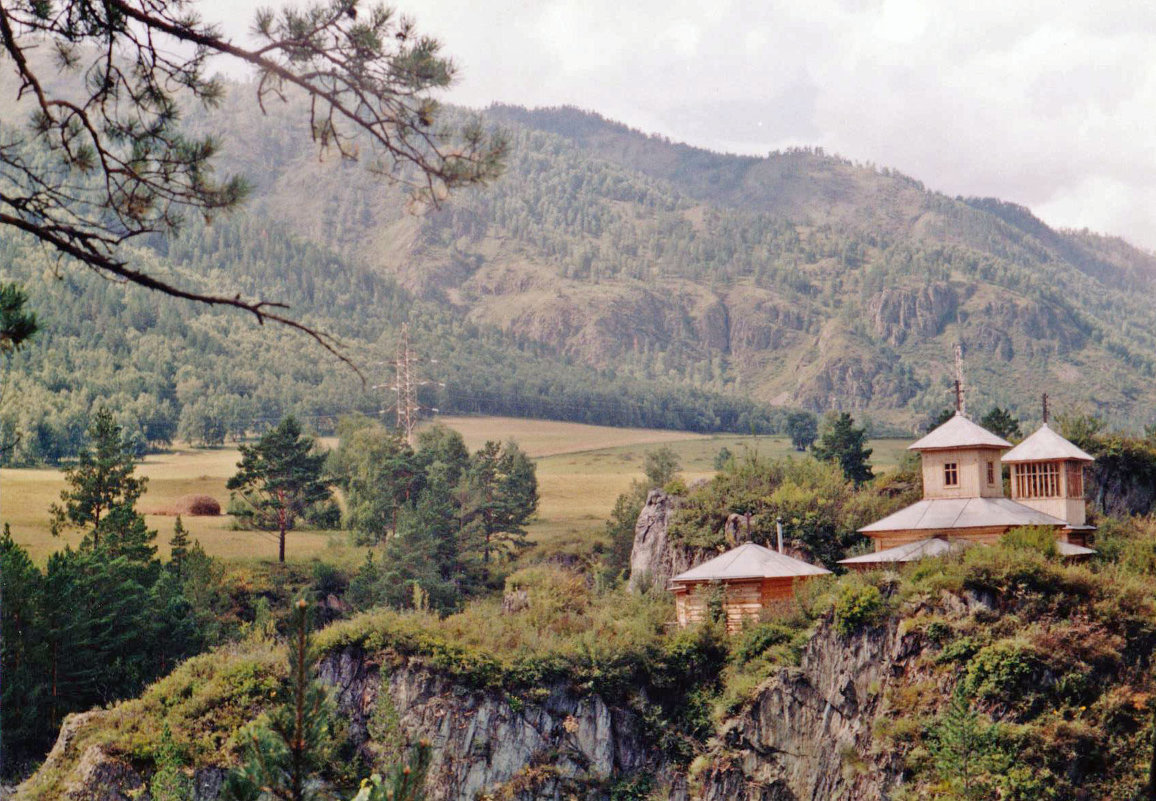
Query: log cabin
x: 743, y: 582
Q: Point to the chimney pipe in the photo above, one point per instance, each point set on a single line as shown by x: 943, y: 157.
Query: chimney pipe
x: 779, y: 529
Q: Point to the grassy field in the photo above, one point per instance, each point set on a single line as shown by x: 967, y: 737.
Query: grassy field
x: 581, y: 471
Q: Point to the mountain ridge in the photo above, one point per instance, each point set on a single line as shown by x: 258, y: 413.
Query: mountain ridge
x: 798, y: 279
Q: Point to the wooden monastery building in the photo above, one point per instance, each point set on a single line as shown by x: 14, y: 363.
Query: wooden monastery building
x: 963, y: 495
x: 744, y: 580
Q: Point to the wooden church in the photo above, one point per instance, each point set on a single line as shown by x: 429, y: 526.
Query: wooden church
x: 963, y: 494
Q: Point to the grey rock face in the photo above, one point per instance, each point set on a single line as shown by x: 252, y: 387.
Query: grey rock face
x: 808, y: 726
x: 654, y: 559
x: 484, y: 741
x: 899, y: 313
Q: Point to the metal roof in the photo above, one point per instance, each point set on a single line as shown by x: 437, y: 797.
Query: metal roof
x: 958, y: 432
x: 1045, y: 445
x: 1071, y: 549
x: 911, y: 551
x: 749, y: 561
x: 938, y: 546
x: 954, y: 513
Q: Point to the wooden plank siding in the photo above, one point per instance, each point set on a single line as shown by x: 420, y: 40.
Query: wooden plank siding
x: 743, y: 600
x: 890, y: 539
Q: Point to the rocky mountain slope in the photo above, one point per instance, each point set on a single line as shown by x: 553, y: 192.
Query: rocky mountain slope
x: 798, y: 278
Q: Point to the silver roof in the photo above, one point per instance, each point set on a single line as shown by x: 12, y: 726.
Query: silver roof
x: 952, y: 513
x: 959, y: 432
x: 911, y: 551
x: 749, y: 561
x: 1045, y: 445
x: 1071, y: 549
x: 938, y: 546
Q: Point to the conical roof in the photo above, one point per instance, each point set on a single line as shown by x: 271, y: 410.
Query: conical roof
x: 959, y: 432
x: 1045, y: 445
x: 750, y: 561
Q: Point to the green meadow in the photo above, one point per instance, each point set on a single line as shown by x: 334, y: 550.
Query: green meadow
x: 581, y: 471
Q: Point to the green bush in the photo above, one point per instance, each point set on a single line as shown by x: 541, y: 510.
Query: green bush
x: 1040, y: 539
x: 856, y: 606
x: 754, y: 641
x: 1006, y: 671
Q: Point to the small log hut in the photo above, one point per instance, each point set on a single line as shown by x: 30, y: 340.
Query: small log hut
x: 744, y: 580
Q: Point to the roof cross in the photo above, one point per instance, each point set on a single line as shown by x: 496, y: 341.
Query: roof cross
x: 1045, y: 408
x: 958, y: 396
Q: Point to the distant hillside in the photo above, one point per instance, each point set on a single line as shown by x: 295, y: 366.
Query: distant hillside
x: 799, y: 278
x: 614, y: 276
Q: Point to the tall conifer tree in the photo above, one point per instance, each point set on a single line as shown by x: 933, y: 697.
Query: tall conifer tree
x: 279, y: 479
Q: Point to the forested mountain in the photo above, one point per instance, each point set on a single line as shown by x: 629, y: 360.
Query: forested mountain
x: 608, y: 276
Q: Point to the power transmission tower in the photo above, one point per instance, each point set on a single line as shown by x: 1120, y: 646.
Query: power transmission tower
x: 405, y: 386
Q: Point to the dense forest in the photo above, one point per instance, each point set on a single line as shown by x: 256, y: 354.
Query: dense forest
x: 607, y: 277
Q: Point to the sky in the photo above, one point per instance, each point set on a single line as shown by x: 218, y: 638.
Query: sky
x: 1049, y: 105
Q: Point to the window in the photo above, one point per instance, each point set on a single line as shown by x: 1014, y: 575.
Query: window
x: 1040, y: 480
x: 990, y: 473
x: 1075, y: 480
x: 951, y: 474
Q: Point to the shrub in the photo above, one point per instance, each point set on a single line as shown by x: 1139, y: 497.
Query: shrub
x: 1006, y: 671
x: 754, y: 641
x: 1040, y: 539
x: 856, y: 606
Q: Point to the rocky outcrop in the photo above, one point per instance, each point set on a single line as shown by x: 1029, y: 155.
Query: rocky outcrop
x: 897, y: 314
x: 808, y: 732
x: 865, y: 378
x: 655, y: 559
x: 567, y: 745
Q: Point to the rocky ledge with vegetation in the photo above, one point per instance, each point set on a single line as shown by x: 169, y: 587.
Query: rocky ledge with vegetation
x: 999, y: 673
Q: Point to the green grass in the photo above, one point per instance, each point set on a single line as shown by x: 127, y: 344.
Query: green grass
x: 581, y: 471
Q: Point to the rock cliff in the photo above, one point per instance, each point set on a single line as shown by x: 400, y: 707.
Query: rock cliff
x: 807, y: 734
x: 485, y: 744
x: 489, y: 744
x: 654, y: 560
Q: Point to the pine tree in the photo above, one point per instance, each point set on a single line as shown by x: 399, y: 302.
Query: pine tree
x: 282, y: 760
x: 23, y: 663
x: 845, y: 445
x: 279, y: 479
x: 965, y: 750
x: 938, y: 419
x: 1001, y: 423
x: 363, y: 587
x: 101, y: 480
x: 169, y: 782
x: 178, y: 547
x: 501, y: 495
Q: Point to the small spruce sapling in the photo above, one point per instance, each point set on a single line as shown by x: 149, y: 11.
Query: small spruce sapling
x: 405, y: 782
x: 283, y: 759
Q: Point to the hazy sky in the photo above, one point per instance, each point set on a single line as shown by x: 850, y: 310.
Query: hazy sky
x: 1051, y: 105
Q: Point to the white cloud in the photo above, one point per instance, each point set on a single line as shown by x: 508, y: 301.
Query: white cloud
x: 1046, y: 104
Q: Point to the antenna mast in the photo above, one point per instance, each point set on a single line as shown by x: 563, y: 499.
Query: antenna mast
x: 960, y: 402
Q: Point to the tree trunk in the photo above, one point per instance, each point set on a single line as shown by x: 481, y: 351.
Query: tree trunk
x: 281, y: 545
